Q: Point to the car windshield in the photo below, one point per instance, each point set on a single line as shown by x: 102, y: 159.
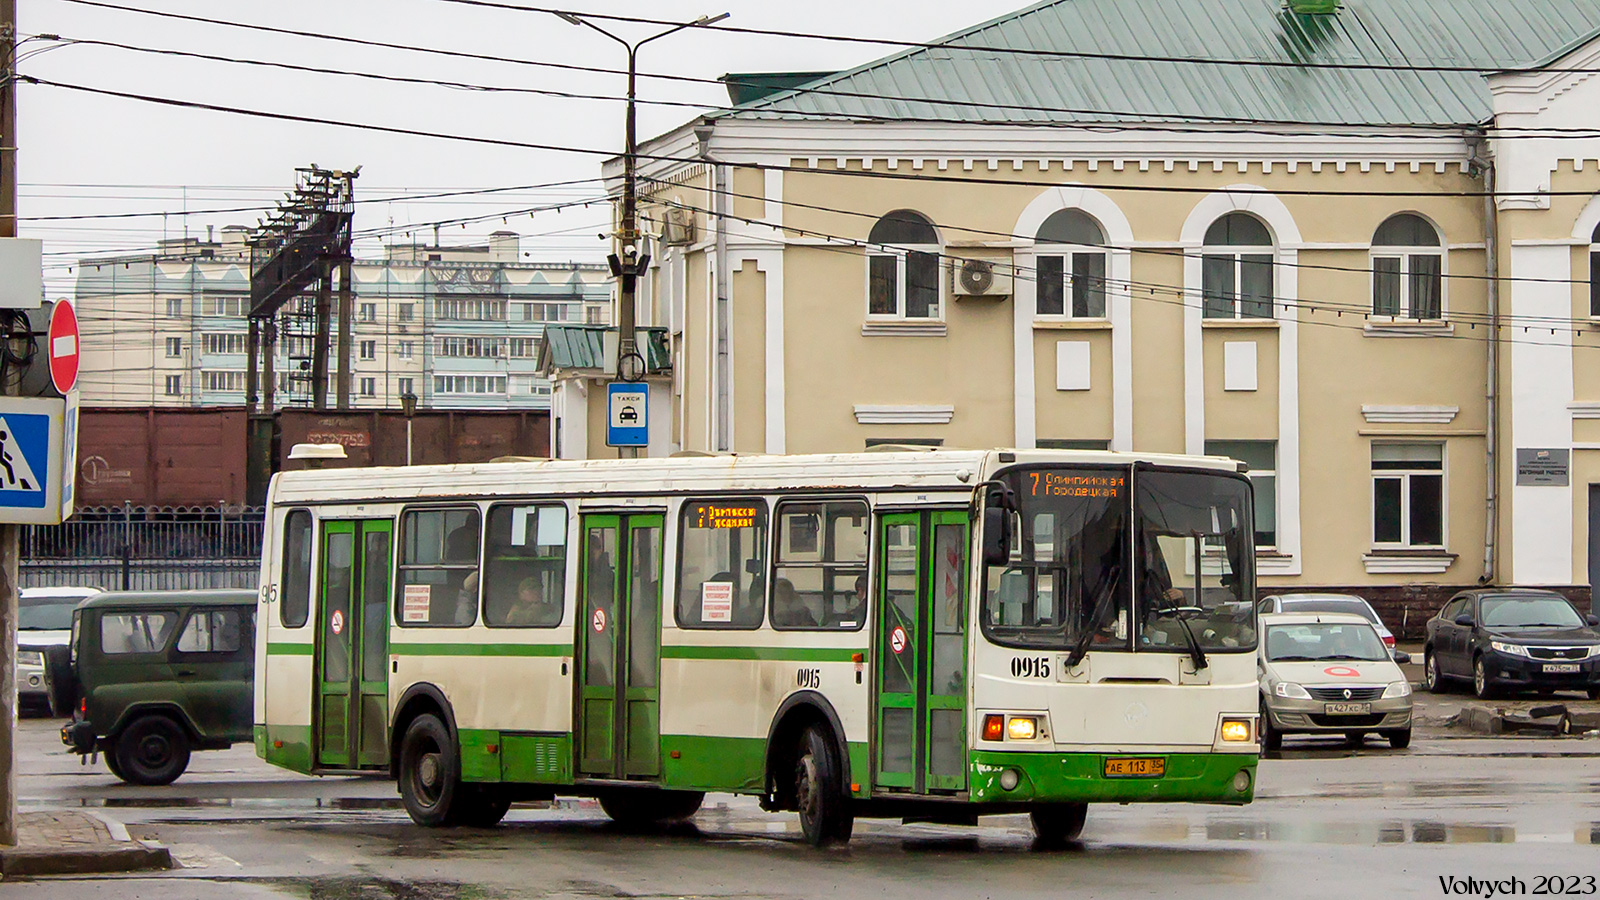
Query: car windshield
x: 1529, y: 612
x: 1330, y: 605
x: 46, y: 613
x: 1318, y: 641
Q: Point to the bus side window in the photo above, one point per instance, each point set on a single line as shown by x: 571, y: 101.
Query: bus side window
x: 721, y: 570
x: 294, y: 605
x: 525, y: 567
x: 820, y: 566
x: 438, y: 582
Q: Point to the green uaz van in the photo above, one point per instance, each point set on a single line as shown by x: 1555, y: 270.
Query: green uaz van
x: 163, y: 674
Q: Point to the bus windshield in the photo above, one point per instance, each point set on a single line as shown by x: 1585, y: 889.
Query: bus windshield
x: 1066, y: 581
x: 1196, y: 562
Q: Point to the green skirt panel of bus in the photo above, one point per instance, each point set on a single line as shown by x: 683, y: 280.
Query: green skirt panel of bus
x: 1098, y: 777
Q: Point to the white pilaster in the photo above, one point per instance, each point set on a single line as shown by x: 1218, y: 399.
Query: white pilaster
x: 1541, y: 394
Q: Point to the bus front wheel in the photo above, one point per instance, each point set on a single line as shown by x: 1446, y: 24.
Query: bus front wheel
x: 430, y: 772
x: 825, y: 816
x: 1058, y: 823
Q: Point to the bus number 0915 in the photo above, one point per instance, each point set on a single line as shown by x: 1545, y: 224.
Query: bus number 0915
x: 1030, y: 667
x: 809, y: 678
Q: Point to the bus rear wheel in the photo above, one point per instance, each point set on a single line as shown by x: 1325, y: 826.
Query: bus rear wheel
x: 825, y: 816
x: 640, y: 808
x: 430, y: 773
x: 1056, y: 824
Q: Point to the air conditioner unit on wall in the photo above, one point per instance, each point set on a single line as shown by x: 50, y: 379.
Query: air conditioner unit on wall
x: 677, y: 227
x: 986, y: 273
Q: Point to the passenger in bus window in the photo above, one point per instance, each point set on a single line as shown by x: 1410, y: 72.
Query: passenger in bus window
x: 530, y: 606
x: 788, y: 610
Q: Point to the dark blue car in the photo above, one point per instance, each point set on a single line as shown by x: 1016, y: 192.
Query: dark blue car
x: 1512, y: 639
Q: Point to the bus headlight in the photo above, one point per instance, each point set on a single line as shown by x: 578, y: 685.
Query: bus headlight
x: 1022, y: 728
x: 1236, y: 731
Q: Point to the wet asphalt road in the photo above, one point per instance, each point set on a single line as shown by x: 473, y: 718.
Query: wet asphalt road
x: 1329, y: 821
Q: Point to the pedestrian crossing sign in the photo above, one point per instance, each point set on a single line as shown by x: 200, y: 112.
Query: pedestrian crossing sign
x: 32, y: 441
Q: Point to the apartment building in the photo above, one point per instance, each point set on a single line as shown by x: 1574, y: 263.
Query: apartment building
x: 455, y: 325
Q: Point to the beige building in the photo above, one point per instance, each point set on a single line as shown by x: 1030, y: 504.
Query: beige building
x: 1268, y: 254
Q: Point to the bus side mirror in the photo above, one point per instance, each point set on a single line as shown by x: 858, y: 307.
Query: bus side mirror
x: 996, y: 536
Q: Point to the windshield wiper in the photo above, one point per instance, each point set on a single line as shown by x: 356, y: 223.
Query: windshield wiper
x: 1195, y: 653
x: 1081, y: 649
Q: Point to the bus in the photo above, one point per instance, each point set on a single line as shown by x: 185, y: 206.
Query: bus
x: 926, y: 635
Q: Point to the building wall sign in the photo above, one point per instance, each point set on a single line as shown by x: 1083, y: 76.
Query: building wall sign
x: 1543, y: 468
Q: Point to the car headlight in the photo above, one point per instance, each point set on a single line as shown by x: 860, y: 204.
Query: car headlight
x: 1397, y: 690
x: 1509, y: 649
x: 1291, y: 690
x: 30, y: 657
x: 1594, y: 651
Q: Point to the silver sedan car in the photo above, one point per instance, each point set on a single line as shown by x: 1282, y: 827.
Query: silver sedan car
x: 1329, y: 673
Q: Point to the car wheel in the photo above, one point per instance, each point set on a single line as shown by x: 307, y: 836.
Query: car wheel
x: 819, y: 791
x: 152, y: 750
x: 1400, y: 738
x: 1432, y: 678
x: 430, y: 773
x: 1481, y: 688
x: 1271, y: 737
x: 1055, y: 824
x: 1355, y: 738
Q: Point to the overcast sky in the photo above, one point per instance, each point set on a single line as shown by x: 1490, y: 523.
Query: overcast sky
x: 83, y: 154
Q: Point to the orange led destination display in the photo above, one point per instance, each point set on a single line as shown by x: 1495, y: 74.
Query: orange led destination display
x: 1076, y: 484
x: 728, y: 516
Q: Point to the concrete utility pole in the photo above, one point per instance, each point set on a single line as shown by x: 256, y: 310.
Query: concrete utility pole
x: 10, y: 535
x: 628, y: 264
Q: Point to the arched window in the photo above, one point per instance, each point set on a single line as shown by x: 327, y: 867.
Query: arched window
x: 1071, y: 262
x: 903, y: 282
x: 1407, y: 269
x: 1236, y: 271
x: 1594, y: 272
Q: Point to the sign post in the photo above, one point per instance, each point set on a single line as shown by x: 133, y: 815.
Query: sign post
x: 628, y: 406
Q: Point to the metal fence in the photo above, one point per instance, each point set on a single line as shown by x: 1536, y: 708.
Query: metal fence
x: 146, y: 548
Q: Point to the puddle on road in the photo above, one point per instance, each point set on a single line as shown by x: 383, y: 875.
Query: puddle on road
x: 340, y: 803
x: 1370, y: 833
x: 368, y: 888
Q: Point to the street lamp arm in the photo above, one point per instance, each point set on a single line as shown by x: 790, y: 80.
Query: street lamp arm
x: 701, y: 22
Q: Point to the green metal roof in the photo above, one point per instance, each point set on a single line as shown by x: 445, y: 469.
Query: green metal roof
x: 583, y: 347
x: 938, y: 83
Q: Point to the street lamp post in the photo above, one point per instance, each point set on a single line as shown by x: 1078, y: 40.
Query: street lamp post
x: 408, y: 405
x: 627, y: 264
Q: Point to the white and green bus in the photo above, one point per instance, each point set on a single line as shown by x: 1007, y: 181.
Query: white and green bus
x: 932, y: 635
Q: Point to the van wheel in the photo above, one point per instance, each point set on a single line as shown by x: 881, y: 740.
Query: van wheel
x: 430, y: 773
x: 114, y: 766
x: 825, y: 816
x: 153, y: 750
x: 1055, y: 824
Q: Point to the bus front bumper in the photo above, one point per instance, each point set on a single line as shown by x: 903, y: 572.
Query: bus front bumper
x: 1091, y: 777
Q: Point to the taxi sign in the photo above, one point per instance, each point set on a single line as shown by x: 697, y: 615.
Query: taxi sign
x: 628, y: 407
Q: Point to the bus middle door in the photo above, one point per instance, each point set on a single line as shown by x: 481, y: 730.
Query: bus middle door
x: 618, y: 716
x: 352, y: 645
x: 921, y: 652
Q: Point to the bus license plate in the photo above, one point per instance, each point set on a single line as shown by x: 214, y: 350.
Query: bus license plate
x: 1566, y: 668
x: 1348, y: 709
x: 1136, y: 767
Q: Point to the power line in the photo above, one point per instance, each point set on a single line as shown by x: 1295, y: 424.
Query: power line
x: 923, y: 178
x: 947, y: 44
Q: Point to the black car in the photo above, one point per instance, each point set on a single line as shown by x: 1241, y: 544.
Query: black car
x: 1512, y: 639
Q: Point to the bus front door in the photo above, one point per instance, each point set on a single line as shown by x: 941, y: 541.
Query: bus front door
x: 352, y: 646
x: 921, y: 652
x: 618, y: 716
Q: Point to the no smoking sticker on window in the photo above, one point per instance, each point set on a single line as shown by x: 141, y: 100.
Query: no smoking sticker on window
x: 337, y: 623
x: 898, y: 640
x: 599, y: 621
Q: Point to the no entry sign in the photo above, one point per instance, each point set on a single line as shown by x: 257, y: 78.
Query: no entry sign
x: 63, y: 346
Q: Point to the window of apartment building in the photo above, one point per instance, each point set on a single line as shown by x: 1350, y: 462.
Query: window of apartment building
x: 1408, y: 495
x: 223, y: 343
x: 223, y: 381
x: 472, y: 348
x: 368, y: 312
x: 406, y: 386
x: 1236, y: 268
x: 1071, y: 266
x: 903, y: 267
x: 544, y: 312
x: 594, y: 315
x: 405, y: 312
x: 469, y: 309
x: 406, y: 349
x: 1262, y: 458
x: 369, y: 387
x: 523, y: 348
x: 1594, y: 272
x: 469, y: 384
x: 369, y: 350
x: 174, y: 309
x: 174, y: 385
x: 174, y: 347
x: 1407, y: 269
x: 226, y: 304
